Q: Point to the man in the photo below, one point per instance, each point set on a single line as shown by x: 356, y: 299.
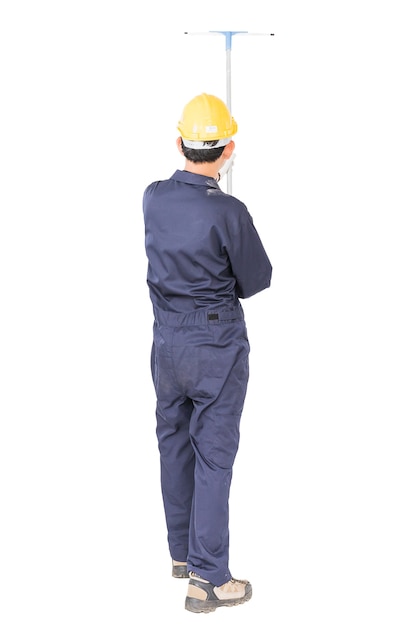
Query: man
x: 204, y: 255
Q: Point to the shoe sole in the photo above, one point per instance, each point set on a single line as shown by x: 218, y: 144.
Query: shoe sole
x: 208, y: 606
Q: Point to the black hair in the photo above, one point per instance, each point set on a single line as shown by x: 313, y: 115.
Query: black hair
x: 202, y: 155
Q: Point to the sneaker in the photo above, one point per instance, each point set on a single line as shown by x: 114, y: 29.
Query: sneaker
x: 204, y: 597
x: 179, y: 569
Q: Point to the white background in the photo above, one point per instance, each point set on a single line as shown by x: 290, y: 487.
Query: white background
x: 323, y: 504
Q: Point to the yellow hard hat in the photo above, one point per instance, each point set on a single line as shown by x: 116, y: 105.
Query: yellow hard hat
x: 206, y: 118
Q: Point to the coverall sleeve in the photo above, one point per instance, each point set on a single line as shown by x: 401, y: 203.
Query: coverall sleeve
x: 249, y: 261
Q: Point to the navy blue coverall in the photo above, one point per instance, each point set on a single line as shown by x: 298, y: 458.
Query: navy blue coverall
x: 204, y: 255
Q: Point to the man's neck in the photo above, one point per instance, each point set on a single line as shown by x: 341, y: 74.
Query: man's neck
x: 204, y: 169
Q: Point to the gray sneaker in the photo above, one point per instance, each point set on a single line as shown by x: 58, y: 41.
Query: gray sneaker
x: 204, y: 597
x: 179, y: 569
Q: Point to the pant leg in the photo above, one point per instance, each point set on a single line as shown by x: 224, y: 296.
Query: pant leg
x: 173, y: 412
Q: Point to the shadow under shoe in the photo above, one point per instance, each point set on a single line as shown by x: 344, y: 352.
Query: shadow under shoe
x: 204, y: 597
x: 179, y: 569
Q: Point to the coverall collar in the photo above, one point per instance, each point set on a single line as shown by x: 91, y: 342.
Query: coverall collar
x: 194, y: 179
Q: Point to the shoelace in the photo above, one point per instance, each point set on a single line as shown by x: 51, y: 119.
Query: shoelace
x: 233, y: 584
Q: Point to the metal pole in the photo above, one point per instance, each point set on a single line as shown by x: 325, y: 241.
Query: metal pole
x: 228, y: 37
x: 228, y: 34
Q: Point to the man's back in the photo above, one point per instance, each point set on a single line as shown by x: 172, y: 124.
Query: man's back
x: 202, y: 246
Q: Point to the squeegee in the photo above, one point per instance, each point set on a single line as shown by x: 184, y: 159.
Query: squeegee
x: 228, y: 34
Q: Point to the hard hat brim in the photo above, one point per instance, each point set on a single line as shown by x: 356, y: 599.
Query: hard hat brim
x: 202, y: 145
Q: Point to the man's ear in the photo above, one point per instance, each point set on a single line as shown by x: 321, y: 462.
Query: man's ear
x: 228, y: 149
x: 179, y: 146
